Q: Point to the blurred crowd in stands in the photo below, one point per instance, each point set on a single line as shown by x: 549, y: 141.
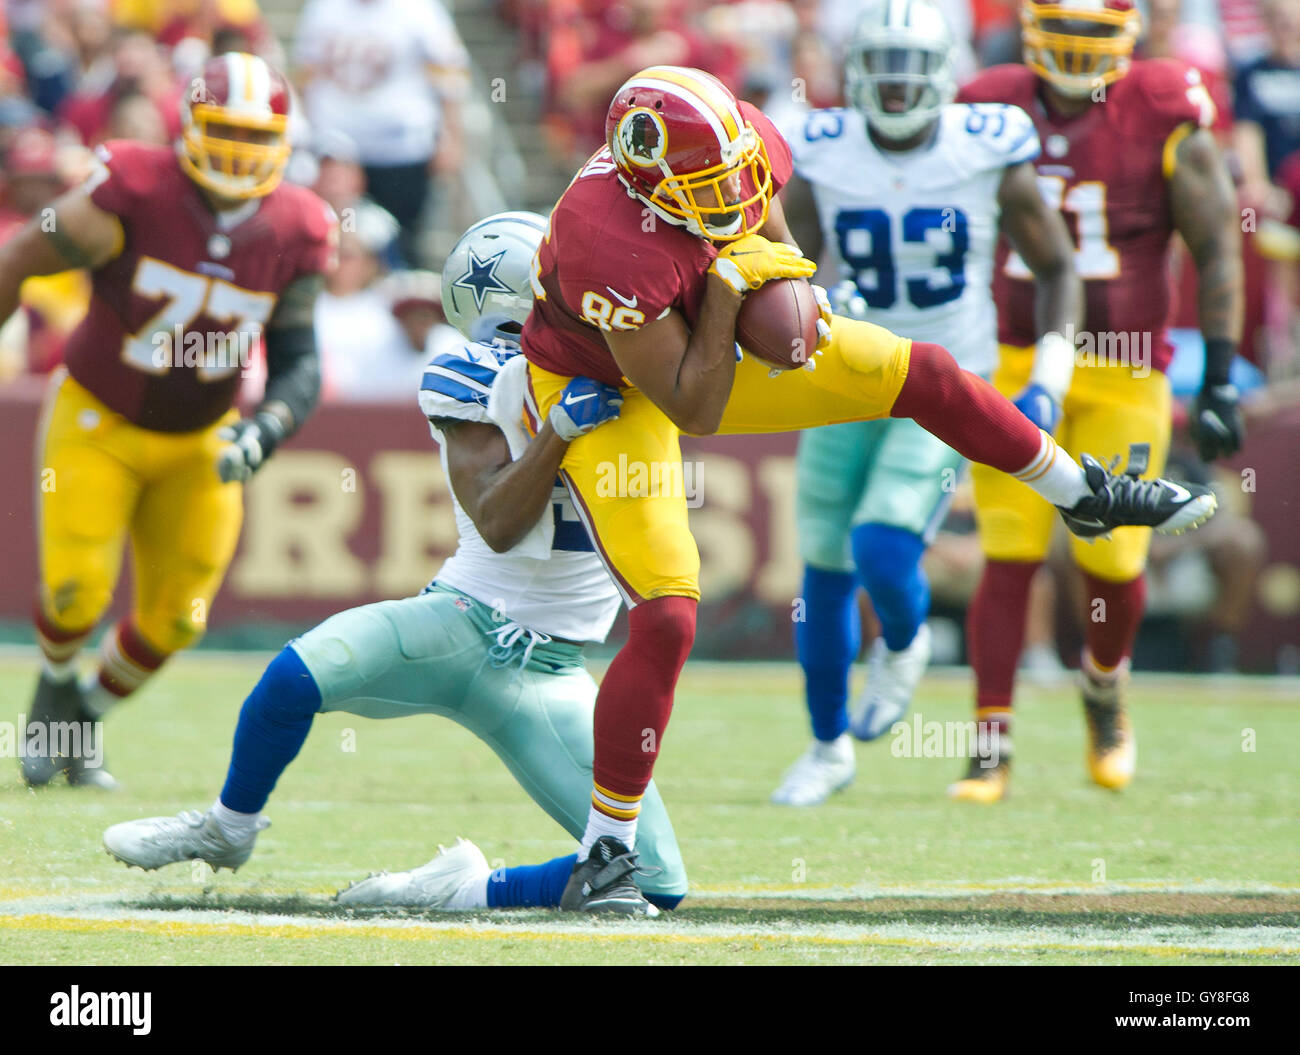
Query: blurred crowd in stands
x: 379, y: 127
x: 376, y: 125
x: 383, y: 87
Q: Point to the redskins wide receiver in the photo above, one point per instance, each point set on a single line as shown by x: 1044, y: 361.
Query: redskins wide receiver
x: 195, y: 255
x: 1128, y: 158
x: 638, y: 283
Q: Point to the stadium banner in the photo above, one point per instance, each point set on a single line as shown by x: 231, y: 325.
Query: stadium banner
x: 355, y: 509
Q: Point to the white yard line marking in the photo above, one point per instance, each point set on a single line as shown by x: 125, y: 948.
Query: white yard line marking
x: 1162, y: 941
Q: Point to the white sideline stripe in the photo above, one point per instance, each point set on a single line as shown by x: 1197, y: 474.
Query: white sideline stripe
x: 958, y: 888
x: 538, y: 925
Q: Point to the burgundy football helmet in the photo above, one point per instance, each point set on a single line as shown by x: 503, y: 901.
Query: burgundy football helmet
x: 233, y: 127
x: 679, y: 140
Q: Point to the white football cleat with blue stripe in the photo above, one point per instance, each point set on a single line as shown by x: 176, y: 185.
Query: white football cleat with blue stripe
x: 822, y: 770
x: 892, y: 681
x: 447, y: 882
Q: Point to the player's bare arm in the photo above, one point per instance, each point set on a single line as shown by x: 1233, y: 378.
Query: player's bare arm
x: 799, y: 210
x: 1205, y: 214
x: 776, y: 228
x: 1038, y: 233
x: 686, y: 373
x: 75, y: 233
x: 506, y: 497
x: 503, y: 497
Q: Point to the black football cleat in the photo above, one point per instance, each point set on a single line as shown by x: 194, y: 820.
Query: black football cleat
x: 81, y: 774
x: 603, y: 882
x: 1122, y: 500
x: 55, y: 703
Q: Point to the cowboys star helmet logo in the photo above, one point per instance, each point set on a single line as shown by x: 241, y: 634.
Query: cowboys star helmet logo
x: 642, y: 137
x: 481, y: 278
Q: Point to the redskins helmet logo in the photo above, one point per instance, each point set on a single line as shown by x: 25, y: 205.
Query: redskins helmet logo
x: 642, y: 137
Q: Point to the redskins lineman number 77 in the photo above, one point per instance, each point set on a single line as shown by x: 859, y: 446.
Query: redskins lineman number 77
x: 195, y: 254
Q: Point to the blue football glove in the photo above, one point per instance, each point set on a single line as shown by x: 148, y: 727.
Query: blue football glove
x: 584, y: 405
x: 1037, y: 404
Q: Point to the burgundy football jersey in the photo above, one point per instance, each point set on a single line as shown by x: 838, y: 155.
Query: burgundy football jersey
x: 1104, y: 170
x: 172, y: 316
x: 608, y: 259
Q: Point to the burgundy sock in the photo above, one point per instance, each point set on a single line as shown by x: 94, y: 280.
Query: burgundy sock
x: 995, y: 630
x: 636, y: 696
x: 965, y: 411
x: 1113, y: 623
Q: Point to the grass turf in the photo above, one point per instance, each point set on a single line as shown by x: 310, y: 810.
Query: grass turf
x: 1195, y: 863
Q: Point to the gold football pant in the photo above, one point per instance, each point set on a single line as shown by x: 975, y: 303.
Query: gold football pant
x: 626, y: 476
x: 100, y: 479
x: 1106, y: 409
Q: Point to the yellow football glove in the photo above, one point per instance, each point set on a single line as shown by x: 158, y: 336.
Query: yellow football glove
x: 749, y: 262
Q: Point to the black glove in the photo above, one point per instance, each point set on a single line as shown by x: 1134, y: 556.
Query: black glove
x: 1216, y: 423
x: 249, y: 442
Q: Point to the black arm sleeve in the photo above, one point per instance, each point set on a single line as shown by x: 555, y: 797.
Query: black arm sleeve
x: 292, y: 373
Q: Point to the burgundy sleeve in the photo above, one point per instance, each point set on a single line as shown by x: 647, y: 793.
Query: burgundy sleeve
x: 778, y: 150
x: 320, y: 252
x: 625, y: 286
x: 117, y: 182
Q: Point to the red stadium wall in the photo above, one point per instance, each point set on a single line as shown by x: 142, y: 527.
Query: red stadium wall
x: 355, y: 511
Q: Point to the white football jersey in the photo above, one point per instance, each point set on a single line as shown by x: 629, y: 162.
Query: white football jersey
x: 372, y: 61
x: 915, y: 232
x: 552, y: 580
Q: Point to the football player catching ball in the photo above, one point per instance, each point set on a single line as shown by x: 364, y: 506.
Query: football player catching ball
x: 638, y: 284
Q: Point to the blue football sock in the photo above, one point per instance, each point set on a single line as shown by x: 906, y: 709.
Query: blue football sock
x: 889, y: 566
x: 541, y: 886
x: 827, y: 641
x: 530, y: 886
x: 273, y: 725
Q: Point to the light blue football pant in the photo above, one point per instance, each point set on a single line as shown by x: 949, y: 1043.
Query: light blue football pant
x: 437, y: 654
x: 889, y: 471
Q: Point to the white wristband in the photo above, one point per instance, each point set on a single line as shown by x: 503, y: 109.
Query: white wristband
x: 1053, y: 365
x: 730, y: 274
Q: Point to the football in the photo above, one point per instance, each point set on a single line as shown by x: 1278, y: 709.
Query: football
x: 778, y: 323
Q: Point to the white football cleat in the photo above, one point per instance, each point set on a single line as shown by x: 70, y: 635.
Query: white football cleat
x: 821, y: 771
x: 156, y: 841
x: 892, y: 681
x: 447, y: 882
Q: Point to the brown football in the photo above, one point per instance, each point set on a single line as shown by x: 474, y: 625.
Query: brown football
x: 778, y: 323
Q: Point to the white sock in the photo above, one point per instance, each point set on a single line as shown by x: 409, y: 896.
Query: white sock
x: 1054, y: 474
x: 836, y: 750
x: 1100, y: 675
x: 235, y: 826
x: 60, y: 673
x: 99, y: 701
x: 599, y: 824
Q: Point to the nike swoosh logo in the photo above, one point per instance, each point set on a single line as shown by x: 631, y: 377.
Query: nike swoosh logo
x: 1180, y: 492
x: 570, y: 399
x: 627, y: 303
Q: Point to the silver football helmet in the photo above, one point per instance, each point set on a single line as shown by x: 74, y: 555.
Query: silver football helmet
x: 899, y: 69
x: 487, y: 278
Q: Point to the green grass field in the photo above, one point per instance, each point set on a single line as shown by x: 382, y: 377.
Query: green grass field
x: 1197, y: 862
